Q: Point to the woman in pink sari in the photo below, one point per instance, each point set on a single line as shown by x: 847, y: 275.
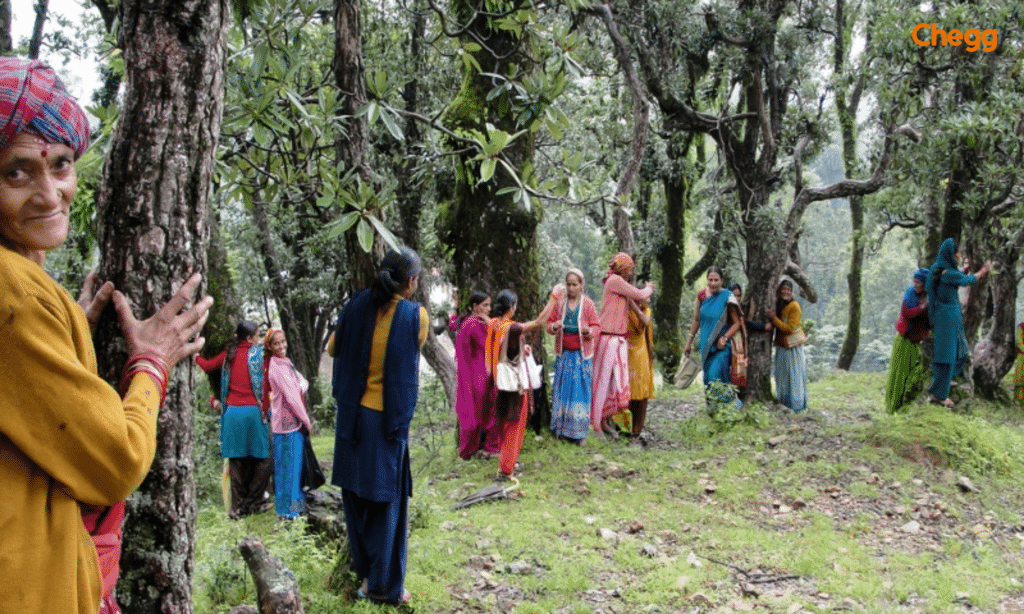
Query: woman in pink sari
x: 478, y: 424
x: 611, y: 393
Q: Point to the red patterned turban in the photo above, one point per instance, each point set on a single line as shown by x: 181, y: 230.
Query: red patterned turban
x: 622, y: 265
x: 33, y: 99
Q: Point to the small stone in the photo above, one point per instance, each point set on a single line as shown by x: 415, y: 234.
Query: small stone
x: 693, y: 560
x: 900, y: 510
x: 750, y: 590
x: 981, y: 531
x: 964, y: 484
x: 608, y: 535
x: 710, y: 488
x: 785, y: 509
x: 635, y: 527
x: 701, y: 599
x: 699, y: 464
x: 649, y: 550
x: 799, y: 504
x: 911, y: 527
x: 778, y: 439
x: 520, y: 568
x: 448, y: 525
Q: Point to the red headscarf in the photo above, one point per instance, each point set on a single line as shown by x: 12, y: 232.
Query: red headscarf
x: 33, y: 99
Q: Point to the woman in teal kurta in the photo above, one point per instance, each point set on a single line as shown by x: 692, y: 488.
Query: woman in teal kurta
x: 946, y: 317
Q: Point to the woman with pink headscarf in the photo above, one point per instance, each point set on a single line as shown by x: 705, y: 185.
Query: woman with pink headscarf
x: 72, y: 448
x: 611, y: 393
x: 576, y: 327
x: 289, y: 421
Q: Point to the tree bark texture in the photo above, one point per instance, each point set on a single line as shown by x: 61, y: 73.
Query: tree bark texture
x: 36, y: 42
x: 678, y: 182
x: 152, y: 209
x: 492, y: 238
x: 6, y: 16
x: 350, y: 78
x: 410, y: 209
x: 994, y: 355
x: 277, y: 590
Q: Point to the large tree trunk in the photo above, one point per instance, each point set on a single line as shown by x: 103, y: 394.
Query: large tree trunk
x: 678, y: 183
x: 993, y: 356
x: 153, y: 209
x: 410, y: 209
x: 36, y: 42
x: 854, y: 286
x: 6, y: 42
x: 350, y: 78
x: 492, y: 238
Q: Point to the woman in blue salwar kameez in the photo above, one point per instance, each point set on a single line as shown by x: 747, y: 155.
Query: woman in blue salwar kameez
x: 376, y: 381
x: 947, y: 320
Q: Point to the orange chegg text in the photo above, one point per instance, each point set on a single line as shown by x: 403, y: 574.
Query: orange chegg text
x: 975, y: 38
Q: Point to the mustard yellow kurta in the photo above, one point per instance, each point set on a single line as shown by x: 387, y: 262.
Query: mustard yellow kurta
x: 65, y: 437
x: 373, y: 397
x: 640, y: 343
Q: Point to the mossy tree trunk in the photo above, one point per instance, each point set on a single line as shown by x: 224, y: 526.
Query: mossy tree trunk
x: 152, y: 210
x: 678, y: 180
x: 492, y: 238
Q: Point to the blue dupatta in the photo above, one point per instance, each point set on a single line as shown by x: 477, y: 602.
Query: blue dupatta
x: 255, y: 361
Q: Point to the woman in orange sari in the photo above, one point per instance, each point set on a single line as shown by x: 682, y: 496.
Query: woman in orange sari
x: 512, y: 408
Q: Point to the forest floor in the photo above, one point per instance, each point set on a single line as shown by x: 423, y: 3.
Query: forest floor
x: 840, y: 508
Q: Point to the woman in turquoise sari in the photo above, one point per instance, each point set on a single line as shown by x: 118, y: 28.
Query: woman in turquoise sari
x: 947, y: 319
x: 716, y: 315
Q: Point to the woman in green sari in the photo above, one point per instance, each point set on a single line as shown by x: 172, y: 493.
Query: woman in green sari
x: 905, y: 367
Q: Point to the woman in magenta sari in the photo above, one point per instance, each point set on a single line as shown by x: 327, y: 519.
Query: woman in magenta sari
x: 611, y: 394
x: 478, y: 424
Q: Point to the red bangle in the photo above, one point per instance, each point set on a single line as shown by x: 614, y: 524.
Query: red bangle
x: 156, y: 360
x: 151, y: 365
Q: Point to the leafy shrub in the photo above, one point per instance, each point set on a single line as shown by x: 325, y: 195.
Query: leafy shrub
x: 725, y: 410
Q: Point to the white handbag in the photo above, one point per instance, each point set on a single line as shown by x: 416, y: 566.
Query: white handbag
x: 509, y: 377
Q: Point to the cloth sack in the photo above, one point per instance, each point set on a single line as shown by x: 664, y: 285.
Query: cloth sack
x: 738, y: 370
x: 686, y: 373
x: 312, y: 476
x: 534, y: 370
x: 794, y: 339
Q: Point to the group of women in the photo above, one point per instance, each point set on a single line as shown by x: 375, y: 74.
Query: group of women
x: 719, y: 319
x: 262, y: 398
x: 932, y: 304
x: 603, y: 364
